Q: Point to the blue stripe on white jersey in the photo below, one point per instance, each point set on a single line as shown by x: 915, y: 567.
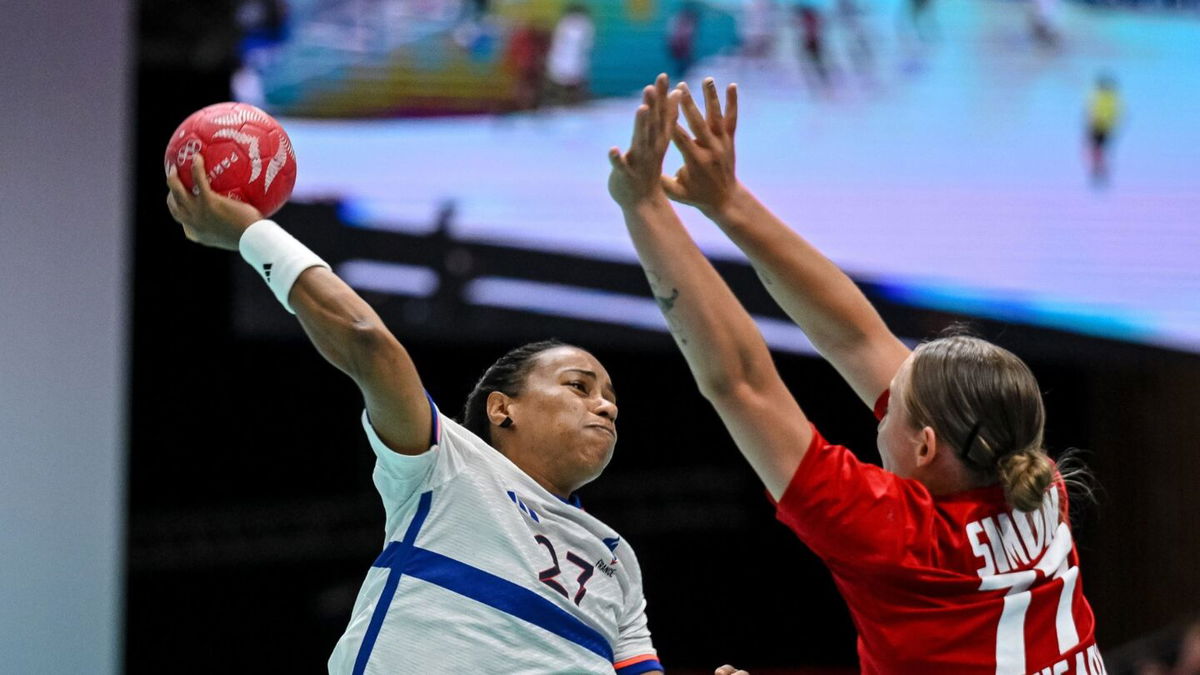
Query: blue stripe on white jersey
x: 495, y: 592
x: 471, y: 582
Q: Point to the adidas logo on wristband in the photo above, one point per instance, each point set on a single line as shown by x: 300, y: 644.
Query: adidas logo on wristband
x: 265, y: 241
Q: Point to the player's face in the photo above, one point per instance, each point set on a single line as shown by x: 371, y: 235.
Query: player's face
x: 565, y: 417
x: 898, y: 437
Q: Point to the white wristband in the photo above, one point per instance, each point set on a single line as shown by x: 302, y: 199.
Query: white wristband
x: 277, y: 256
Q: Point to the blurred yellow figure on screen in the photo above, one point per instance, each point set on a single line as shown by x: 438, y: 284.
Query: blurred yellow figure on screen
x: 1104, y: 113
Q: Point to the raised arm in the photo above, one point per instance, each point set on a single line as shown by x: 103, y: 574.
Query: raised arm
x: 342, y: 326
x: 815, y: 293
x: 721, y: 343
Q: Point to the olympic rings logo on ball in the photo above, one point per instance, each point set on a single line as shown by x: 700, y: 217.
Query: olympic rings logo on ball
x: 246, y: 153
x: 190, y: 148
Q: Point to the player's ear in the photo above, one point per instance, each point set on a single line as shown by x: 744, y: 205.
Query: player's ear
x: 927, y: 446
x: 497, y: 407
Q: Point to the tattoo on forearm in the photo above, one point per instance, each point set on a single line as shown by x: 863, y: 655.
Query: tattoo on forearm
x: 667, y: 304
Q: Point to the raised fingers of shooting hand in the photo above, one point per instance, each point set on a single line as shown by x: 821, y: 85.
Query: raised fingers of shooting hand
x: 729, y: 670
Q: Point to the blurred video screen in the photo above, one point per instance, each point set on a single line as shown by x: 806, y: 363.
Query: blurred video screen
x: 942, y: 152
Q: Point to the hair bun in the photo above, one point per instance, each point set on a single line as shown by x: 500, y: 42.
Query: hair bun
x: 1026, y: 475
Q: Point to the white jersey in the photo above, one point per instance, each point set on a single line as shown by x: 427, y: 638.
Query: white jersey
x: 485, y: 571
x: 569, y: 58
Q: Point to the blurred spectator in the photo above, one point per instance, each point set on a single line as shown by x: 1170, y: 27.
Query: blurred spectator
x: 681, y: 39
x: 263, y: 23
x: 917, y: 24
x: 263, y: 26
x: 527, y: 58
x: 1042, y: 22
x: 849, y: 14
x: 810, y: 27
x: 569, y: 61
x: 757, y: 29
x: 476, y: 31
x: 1103, y: 114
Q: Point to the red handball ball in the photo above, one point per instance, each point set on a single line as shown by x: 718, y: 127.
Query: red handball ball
x: 247, y: 154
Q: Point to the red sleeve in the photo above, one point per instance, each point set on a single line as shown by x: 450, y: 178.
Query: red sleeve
x: 881, y: 404
x: 858, y: 513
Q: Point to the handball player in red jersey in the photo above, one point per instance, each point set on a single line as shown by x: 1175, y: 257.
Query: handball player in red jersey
x: 956, y: 556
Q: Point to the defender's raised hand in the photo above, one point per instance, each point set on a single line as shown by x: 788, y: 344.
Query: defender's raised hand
x: 207, y: 217
x: 707, y: 179
x: 637, y: 174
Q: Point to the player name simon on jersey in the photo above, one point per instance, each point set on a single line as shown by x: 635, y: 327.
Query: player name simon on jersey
x: 1010, y: 541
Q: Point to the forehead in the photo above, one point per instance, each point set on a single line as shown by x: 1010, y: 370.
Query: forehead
x: 559, y: 359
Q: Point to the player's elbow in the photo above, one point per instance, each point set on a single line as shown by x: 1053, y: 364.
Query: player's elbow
x: 732, y: 397
x: 368, y: 345
x: 717, y: 386
x: 726, y: 385
x: 744, y: 368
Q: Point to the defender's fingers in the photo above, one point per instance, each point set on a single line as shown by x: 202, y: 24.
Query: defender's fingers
x: 638, y: 125
x: 712, y: 106
x: 671, y: 114
x: 641, y: 126
x: 651, y: 101
x: 661, y: 84
x: 615, y: 158
x: 671, y: 186
x: 685, y: 143
x: 731, y: 108
x: 695, y: 118
x: 199, y: 177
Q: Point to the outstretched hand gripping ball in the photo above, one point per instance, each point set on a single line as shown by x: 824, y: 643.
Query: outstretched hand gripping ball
x: 247, y: 154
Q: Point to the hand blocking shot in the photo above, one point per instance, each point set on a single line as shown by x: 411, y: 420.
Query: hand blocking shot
x: 490, y: 565
x: 956, y: 557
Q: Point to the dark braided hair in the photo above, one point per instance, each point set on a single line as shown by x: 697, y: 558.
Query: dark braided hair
x: 506, y: 376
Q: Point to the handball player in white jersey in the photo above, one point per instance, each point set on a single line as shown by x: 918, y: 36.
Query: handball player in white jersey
x: 490, y: 565
x: 956, y: 556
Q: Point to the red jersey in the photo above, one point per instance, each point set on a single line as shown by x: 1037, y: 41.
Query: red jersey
x: 959, y: 584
